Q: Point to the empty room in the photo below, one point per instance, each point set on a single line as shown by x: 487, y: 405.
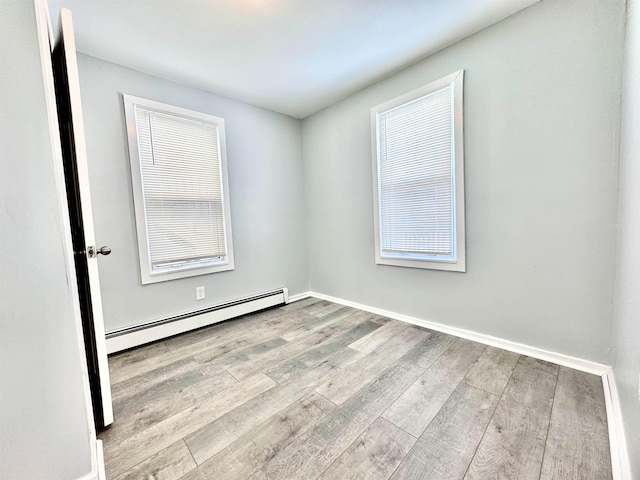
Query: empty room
x: 320, y: 239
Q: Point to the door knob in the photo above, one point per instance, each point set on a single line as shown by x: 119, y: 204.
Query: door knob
x: 93, y: 252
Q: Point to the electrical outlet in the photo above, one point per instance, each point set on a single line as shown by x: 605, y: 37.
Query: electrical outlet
x: 200, y: 293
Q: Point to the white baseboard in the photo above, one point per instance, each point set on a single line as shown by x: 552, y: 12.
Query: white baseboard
x: 118, y: 341
x: 92, y: 475
x: 617, y: 440
x: 102, y: 475
x: 554, y: 357
x: 299, y: 296
x: 97, y: 462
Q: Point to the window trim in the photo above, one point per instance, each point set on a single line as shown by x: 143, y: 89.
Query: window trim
x: 148, y: 275
x: 459, y: 264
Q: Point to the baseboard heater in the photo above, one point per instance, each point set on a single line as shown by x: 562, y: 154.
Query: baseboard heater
x: 118, y: 340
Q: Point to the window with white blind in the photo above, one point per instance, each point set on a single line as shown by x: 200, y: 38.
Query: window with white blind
x: 178, y: 170
x: 419, y: 178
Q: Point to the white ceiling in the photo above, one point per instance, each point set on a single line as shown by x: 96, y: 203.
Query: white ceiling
x: 290, y: 56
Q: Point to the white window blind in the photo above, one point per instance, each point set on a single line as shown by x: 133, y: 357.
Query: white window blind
x: 182, y: 190
x: 416, y: 177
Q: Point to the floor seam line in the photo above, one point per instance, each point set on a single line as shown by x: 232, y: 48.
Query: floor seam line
x: 504, y: 389
x: 546, y: 438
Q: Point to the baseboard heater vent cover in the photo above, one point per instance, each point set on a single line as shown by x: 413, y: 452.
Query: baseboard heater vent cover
x: 125, y: 338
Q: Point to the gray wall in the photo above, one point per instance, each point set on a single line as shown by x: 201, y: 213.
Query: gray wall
x: 626, y: 318
x: 44, y: 430
x: 265, y: 184
x: 542, y: 95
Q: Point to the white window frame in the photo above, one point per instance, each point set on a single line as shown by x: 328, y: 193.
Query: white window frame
x: 148, y: 275
x: 457, y: 261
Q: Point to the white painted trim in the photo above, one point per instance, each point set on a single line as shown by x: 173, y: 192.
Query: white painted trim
x: 45, y: 40
x: 164, y: 330
x: 98, y: 471
x: 554, y: 357
x: 102, y: 474
x: 617, y: 440
x: 299, y: 296
x: 456, y: 262
x: 92, y: 475
x: 147, y: 275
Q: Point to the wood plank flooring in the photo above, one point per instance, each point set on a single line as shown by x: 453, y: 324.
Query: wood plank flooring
x: 315, y: 390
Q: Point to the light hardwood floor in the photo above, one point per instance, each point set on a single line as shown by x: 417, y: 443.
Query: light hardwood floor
x: 315, y: 390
